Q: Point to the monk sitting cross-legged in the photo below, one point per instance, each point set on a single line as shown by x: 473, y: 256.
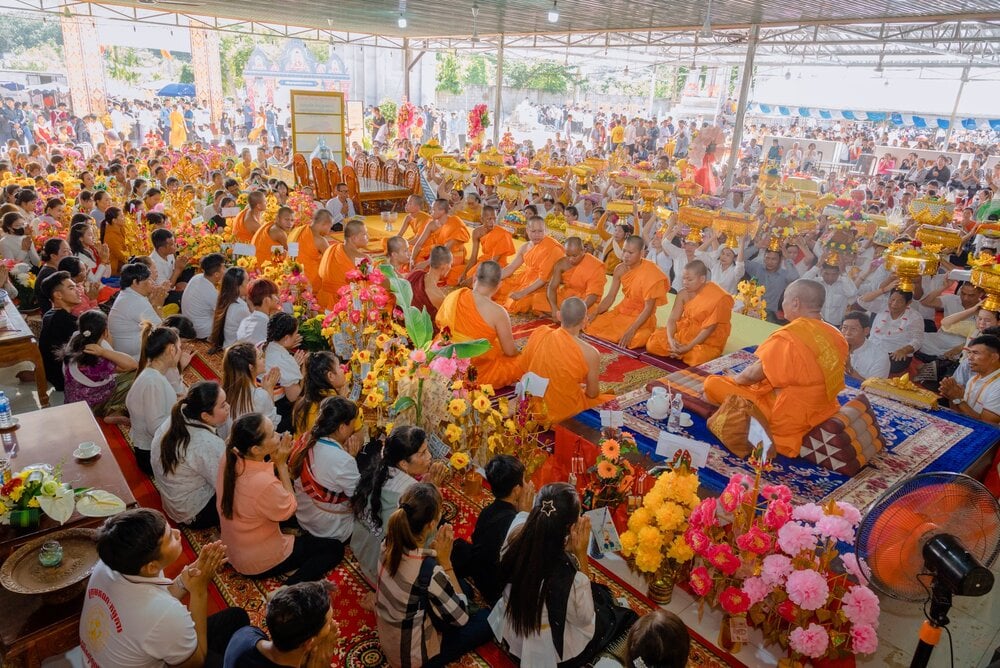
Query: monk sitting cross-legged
x: 273, y: 234
x: 339, y: 259
x: 526, y: 278
x: 489, y: 242
x: 313, y: 242
x: 442, y: 230
x: 416, y: 218
x: 571, y: 365
x: 249, y: 219
x: 426, y: 283
x: 798, y: 372
x: 578, y: 274
x: 644, y: 287
x: 397, y: 252
x: 472, y: 314
x: 699, y: 322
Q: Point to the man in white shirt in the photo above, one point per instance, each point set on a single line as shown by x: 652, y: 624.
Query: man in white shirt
x: 898, y: 330
x: 262, y: 297
x: 202, y: 293
x: 866, y: 360
x: 133, y: 616
x: 138, y: 300
x: 980, y: 398
x: 840, y: 290
x: 341, y: 206
x: 170, y: 270
x: 958, y: 323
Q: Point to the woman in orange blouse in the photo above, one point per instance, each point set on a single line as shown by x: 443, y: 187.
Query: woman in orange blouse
x: 113, y: 234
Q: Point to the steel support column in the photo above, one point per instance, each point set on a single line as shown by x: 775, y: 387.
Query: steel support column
x: 498, y: 102
x: 954, y: 109
x: 741, y: 109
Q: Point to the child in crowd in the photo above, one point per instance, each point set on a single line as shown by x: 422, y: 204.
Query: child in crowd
x: 95, y: 372
x: 324, y: 378
x: 282, y: 338
x: 242, y: 365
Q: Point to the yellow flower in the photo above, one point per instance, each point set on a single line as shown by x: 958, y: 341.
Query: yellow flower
x: 373, y: 400
x: 648, y: 561
x: 481, y: 403
x: 453, y: 433
x: 364, y: 356
x: 606, y: 470
x: 399, y: 373
x: 3, y: 508
x: 629, y: 543
x: 457, y: 385
x: 488, y: 389
x: 388, y: 426
x: 459, y: 460
x: 509, y: 425
x: 640, y: 517
x: 15, y: 494
x: 610, y: 448
x: 654, y: 499
x: 381, y: 340
x: 680, y: 551
x: 457, y: 407
x: 669, y: 516
x: 650, y: 538
x: 33, y: 502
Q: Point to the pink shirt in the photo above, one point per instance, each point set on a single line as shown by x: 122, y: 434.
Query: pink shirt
x: 254, y: 542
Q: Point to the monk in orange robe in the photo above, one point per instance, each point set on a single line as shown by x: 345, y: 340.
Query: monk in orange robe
x: 578, y: 274
x: 798, y: 373
x: 644, y: 287
x: 313, y: 242
x: 525, y: 279
x: 416, y: 218
x: 339, y: 259
x: 471, y: 313
x: 249, y: 219
x: 442, y: 230
x: 571, y: 365
x: 699, y: 322
x: 273, y: 234
x: 489, y: 242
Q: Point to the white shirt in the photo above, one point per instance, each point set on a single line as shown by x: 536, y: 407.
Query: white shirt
x: 127, y: 313
x: 164, y: 267
x: 337, y: 471
x: 95, y: 270
x: 149, y: 402
x: 725, y: 277
x: 983, y: 392
x: 130, y: 621
x: 192, y: 483
x: 661, y: 259
x: 198, y: 303
x: 839, y: 296
x: 538, y: 650
x: 263, y: 403
x: 235, y: 314
x: 891, y: 335
x: 679, y: 256
x: 930, y: 284
x: 275, y: 355
x: 10, y: 249
x: 335, y: 207
x: 870, y: 361
x: 940, y: 342
x: 253, y: 328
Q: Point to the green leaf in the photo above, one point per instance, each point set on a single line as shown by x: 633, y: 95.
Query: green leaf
x: 403, y: 403
x: 465, y: 349
x: 418, y: 326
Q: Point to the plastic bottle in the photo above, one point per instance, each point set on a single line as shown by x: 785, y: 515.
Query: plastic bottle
x: 5, y: 416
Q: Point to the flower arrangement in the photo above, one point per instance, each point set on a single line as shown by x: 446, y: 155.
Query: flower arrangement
x: 479, y: 121
x: 407, y: 118
x: 24, y: 280
x: 612, y: 475
x: 474, y: 423
x: 750, y: 295
x: 525, y: 421
x: 556, y: 221
x: 303, y: 205
x: 136, y: 233
x: 32, y: 491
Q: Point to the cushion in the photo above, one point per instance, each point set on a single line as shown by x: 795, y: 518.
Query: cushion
x: 731, y: 424
x: 846, y: 442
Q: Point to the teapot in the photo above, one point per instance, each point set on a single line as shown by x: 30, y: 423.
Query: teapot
x: 658, y: 404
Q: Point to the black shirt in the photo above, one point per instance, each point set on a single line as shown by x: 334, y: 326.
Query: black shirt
x: 57, y: 328
x: 242, y: 651
x: 487, y: 539
x: 44, y: 304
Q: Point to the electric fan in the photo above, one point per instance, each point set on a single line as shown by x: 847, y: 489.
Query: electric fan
x: 926, y: 539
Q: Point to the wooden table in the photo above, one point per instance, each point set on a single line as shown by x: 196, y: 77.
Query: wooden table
x: 38, y: 630
x: 18, y: 344
x: 370, y: 190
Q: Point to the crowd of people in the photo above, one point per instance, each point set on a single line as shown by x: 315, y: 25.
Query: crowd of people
x: 276, y: 441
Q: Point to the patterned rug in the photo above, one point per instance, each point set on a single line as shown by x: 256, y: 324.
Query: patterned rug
x: 916, y: 441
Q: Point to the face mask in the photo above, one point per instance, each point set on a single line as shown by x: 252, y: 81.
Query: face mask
x: 18, y: 232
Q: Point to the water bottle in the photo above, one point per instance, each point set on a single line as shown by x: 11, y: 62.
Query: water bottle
x: 5, y: 419
x: 676, y: 408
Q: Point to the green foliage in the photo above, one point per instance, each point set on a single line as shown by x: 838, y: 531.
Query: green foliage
x: 545, y: 75
x: 187, y: 74
x: 478, y: 70
x: 21, y: 33
x: 234, y: 52
x: 448, y: 72
x: 121, y: 63
x: 388, y: 108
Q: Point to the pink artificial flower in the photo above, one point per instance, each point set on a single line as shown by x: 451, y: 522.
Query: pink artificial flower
x: 831, y: 526
x: 355, y: 317
x: 698, y: 541
x: 756, y: 589
x: 807, y: 589
x: 445, y: 366
x: 755, y: 540
x: 811, y: 641
x: 373, y: 315
x: 776, y: 492
x: 734, y: 601
x: 723, y: 558
x: 853, y: 568
x: 860, y: 605
x: 777, y: 514
x: 703, y: 514
x: 808, y: 512
x: 864, y: 639
x: 732, y: 496
x: 380, y: 300
x: 353, y: 275
x: 364, y: 295
x: 775, y: 569
x: 701, y: 581
x: 849, y: 513
x: 376, y: 276
x: 793, y: 538
x: 344, y: 290
x: 418, y: 356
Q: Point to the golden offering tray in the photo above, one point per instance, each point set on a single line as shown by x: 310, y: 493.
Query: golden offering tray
x: 910, y: 261
x: 932, y: 211
x: 693, y: 216
x: 987, y: 277
x: 950, y: 240
x: 430, y: 150
x: 622, y: 207
x: 650, y: 196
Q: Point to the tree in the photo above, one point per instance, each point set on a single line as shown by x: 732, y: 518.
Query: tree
x: 187, y: 74
x: 448, y: 73
x: 234, y: 52
x: 478, y: 69
x: 121, y: 62
x: 20, y: 33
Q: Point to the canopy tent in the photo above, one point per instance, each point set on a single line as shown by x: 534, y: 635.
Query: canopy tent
x: 177, y: 90
x: 896, y: 118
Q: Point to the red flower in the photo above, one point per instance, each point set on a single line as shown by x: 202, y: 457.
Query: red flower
x: 787, y: 611
x: 734, y: 601
x: 755, y: 540
x: 722, y: 557
x: 916, y: 243
x: 701, y: 581
x: 777, y: 514
x: 10, y: 486
x: 698, y: 541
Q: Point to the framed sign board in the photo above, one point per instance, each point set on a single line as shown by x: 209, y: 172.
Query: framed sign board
x: 316, y: 115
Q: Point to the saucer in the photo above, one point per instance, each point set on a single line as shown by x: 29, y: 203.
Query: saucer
x: 686, y: 420
x: 86, y: 454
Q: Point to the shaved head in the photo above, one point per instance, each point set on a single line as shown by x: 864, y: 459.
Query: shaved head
x: 395, y: 245
x: 353, y: 228
x: 803, y: 298
x: 574, y: 244
x: 572, y: 312
x: 636, y: 242
x: 697, y: 267
x: 440, y: 257
x: 488, y: 274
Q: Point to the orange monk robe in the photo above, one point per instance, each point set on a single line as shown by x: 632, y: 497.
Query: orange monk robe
x: 454, y: 229
x: 309, y: 255
x: 711, y: 306
x: 333, y: 268
x: 418, y: 221
x: 240, y: 231
x: 554, y: 353
x: 539, y: 261
x: 585, y: 279
x: 497, y: 243
x: 114, y: 237
x: 804, y: 370
x: 459, y: 314
x: 645, y: 281
x: 263, y: 242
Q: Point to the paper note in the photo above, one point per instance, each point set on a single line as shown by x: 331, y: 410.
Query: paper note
x: 293, y: 249
x: 757, y: 435
x: 229, y: 211
x: 244, y: 249
x: 603, y: 534
x: 531, y: 384
x: 668, y: 445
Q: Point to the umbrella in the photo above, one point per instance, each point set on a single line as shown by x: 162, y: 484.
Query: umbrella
x: 11, y: 85
x: 177, y: 90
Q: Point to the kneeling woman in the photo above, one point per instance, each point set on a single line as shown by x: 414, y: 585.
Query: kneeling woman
x: 252, y: 501
x: 417, y: 588
x: 551, y: 614
x: 186, y: 452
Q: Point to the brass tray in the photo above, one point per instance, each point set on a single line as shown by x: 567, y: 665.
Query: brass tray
x: 22, y: 574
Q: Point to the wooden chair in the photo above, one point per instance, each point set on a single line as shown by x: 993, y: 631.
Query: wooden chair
x: 333, y: 174
x: 351, y: 179
x: 320, y: 180
x: 411, y: 179
x: 391, y: 172
x: 301, y: 171
x: 371, y: 168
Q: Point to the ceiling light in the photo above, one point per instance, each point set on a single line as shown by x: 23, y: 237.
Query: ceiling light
x: 554, y: 13
x: 402, y: 21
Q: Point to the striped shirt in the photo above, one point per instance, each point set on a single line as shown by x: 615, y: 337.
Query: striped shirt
x: 405, y: 630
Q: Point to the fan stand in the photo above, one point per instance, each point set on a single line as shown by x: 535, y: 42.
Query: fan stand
x: 930, y: 630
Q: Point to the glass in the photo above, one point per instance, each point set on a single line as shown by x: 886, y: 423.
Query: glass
x: 51, y: 554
